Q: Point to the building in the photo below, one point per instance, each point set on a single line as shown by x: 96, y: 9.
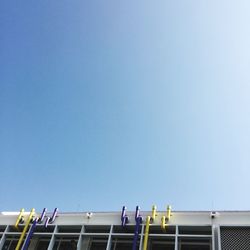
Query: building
x: 151, y: 230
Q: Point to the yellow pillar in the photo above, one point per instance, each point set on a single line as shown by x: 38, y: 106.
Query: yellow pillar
x: 168, y: 212
x: 25, y: 229
x: 145, y: 242
x: 163, y: 223
x: 19, y: 217
x: 153, y: 212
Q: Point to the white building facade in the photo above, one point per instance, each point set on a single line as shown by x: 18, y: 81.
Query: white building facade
x: 123, y: 230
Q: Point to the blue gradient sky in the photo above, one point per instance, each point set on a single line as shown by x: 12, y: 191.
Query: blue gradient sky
x: 111, y: 103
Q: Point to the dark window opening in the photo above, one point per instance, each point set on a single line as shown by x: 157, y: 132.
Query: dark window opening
x: 195, y: 244
x: 66, y: 243
x: 161, y: 244
x: 195, y: 230
x: 194, y: 247
x: 2, y: 228
x: 123, y: 244
x: 97, y: 229
x: 10, y: 244
x: 69, y: 229
x: 126, y: 229
x: 42, y: 245
x: 42, y: 229
x: 94, y: 242
x: 157, y: 230
x: 98, y: 245
x: 39, y: 243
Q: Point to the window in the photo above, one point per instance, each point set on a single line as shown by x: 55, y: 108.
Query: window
x: 123, y: 243
x: 65, y: 243
x: 10, y: 243
x: 161, y: 244
x: 39, y: 243
x: 94, y: 242
x: 195, y: 244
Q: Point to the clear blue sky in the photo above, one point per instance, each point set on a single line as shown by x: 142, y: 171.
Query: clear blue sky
x: 111, y: 103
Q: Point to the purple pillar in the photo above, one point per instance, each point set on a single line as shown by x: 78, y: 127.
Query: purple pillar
x: 138, y: 220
